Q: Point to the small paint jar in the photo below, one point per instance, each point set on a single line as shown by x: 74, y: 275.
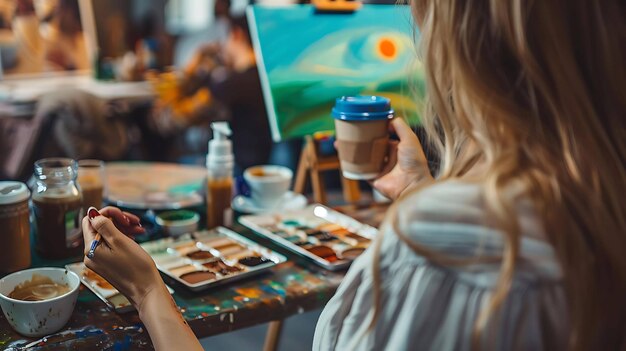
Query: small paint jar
x: 177, y: 223
x: 14, y: 221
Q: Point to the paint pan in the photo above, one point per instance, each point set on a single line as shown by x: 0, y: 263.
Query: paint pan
x: 351, y: 253
x: 200, y: 255
x: 241, y: 254
x: 330, y: 227
x: 324, y: 237
x: 230, y: 249
x: 340, y: 232
x: 327, y: 237
x: 186, y: 248
x: 221, y: 267
x: 168, y: 259
x: 210, y: 258
x: 358, y: 238
x: 184, y: 269
x: 198, y: 277
x: 253, y: 261
x: 216, y: 243
x: 324, y: 252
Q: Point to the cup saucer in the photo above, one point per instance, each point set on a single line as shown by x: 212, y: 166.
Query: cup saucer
x: 289, y: 201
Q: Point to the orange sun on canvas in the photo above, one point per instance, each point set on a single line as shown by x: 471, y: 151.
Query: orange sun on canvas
x: 387, y: 49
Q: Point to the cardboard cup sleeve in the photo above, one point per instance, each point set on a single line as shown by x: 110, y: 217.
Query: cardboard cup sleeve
x: 371, y: 153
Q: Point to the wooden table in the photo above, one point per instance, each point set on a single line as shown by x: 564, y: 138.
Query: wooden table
x: 294, y: 287
x: 290, y: 288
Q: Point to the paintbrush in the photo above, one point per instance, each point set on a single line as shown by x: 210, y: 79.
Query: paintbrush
x: 94, y: 244
x: 96, y: 240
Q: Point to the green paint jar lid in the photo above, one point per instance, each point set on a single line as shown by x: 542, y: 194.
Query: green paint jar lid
x: 176, y: 223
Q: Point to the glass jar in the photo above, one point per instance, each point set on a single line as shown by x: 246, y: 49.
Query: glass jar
x: 91, y: 180
x: 57, y: 204
x: 15, y: 232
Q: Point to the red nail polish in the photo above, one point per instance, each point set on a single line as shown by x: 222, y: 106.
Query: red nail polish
x: 93, y: 213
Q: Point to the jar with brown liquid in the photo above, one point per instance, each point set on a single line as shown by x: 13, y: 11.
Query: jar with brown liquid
x: 57, y: 204
x: 15, y: 227
x: 91, y: 180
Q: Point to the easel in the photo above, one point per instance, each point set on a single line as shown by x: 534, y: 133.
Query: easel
x: 312, y: 164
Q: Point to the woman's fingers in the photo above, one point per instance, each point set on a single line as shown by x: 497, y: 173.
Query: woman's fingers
x: 89, y: 234
x: 402, y: 129
x: 103, y: 225
x: 392, y: 157
x: 116, y: 215
x: 132, y: 219
x: 134, y: 231
x: 128, y: 223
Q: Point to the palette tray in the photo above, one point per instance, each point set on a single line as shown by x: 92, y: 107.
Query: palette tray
x: 103, y: 289
x: 327, y: 237
x: 206, y: 259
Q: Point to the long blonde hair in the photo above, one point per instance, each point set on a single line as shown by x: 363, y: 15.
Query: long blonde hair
x: 538, y: 89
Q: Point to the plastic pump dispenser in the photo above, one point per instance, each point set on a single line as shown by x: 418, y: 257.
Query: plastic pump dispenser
x: 220, y: 162
x: 220, y: 147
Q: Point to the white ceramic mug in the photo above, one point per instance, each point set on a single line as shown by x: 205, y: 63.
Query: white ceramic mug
x: 268, y: 184
x: 39, y: 318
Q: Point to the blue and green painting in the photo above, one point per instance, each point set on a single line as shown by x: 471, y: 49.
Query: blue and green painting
x: 307, y: 59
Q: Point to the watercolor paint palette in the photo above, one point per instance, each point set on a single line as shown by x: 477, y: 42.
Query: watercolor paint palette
x: 103, y: 289
x: 329, y: 238
x: 206, y: 259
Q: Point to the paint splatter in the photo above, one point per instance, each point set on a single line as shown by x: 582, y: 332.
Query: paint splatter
x: 253, y: 293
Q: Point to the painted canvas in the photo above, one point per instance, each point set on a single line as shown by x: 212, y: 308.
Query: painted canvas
x: 307, y: 59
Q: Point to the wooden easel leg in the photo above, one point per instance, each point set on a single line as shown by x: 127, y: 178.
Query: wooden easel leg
x: 351, y: 191
x: 301, y: 174
x: 273, y: 335
x: 319, y: 192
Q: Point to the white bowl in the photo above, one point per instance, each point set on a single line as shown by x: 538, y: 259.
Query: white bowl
x: 179, y: 222
x: 39, y: 318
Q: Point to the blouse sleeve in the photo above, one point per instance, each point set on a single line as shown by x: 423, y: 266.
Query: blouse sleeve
x: 429, y: 307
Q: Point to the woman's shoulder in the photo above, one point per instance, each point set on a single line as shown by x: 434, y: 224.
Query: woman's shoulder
x: 451, y: 219
x: 433, y: 305
x: 460, y: 204
x: 445, y: 201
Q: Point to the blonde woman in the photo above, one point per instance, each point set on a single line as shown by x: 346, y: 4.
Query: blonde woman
x: 518, y: 241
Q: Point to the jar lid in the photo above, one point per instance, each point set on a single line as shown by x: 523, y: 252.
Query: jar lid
x: 13, y: 192
x: 362, y: 108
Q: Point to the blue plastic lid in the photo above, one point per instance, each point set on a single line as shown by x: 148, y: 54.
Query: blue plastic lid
x: 362, y: 108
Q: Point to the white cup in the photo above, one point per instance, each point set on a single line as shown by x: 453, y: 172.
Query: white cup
x: 39, y: 318
x: 268, y: 184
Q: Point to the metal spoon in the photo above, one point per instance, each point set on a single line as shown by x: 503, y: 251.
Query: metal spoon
x: 10, y: 188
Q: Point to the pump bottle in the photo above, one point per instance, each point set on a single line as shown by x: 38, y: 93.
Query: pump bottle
x: 220, y: 163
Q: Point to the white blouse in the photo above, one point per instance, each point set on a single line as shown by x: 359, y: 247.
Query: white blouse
x: 425, y: 306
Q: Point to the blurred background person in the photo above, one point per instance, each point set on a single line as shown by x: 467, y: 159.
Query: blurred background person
x: 50, y: 35
x: 218, y: 32
x: 220, y: 82
x: 65, y: 42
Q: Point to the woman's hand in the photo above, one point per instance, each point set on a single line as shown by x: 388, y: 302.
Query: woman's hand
x: 118, y: 258
x: 124, y: 264
x: 407, y: 164
x: 127, y: 223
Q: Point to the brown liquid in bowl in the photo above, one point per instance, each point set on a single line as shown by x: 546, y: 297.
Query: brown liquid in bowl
x: 38, y: 288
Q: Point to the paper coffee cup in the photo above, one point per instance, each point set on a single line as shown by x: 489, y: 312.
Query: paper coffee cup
x: 361, y: 126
